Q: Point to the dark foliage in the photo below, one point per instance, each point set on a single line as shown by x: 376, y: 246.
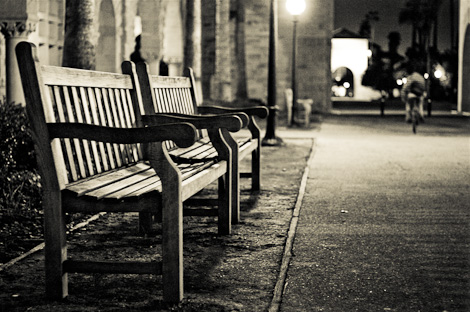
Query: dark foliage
x: 20, y: 198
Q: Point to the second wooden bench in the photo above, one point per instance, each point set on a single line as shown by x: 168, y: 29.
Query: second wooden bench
x: 170, y: 99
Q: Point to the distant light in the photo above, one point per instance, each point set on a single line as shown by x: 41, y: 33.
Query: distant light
x: 341, y: 91
x: 404, y: 80
x: 426, y: 75
x: 369, y: 53
x: 438, y: 74
x: 399, y: 82
x: 347, y: 85
x: 396, y: 92
x: 137, y: 26
x: 295, y: 7
x: 338, y: 78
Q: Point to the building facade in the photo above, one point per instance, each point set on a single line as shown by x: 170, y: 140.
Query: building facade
x: 463, y: 99
x: 225, y: 41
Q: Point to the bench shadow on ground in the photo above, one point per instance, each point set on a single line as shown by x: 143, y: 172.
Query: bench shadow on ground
x: 222, y: 273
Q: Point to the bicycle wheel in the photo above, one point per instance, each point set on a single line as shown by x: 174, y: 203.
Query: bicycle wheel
x: 414, y: 119
x: 414, y: 114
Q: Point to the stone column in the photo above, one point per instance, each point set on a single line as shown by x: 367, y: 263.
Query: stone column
x: 14, y: 32
x: 216, y: 63
x: 222, y: 78
x: 192, y: 42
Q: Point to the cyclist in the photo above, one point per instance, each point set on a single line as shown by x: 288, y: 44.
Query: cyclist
x: 414, y: 87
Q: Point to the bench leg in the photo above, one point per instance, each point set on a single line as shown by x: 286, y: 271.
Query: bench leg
x: 172, y: 245
x: 235, y: 177
x: 56, y: 246
x: 225, y: 214
x: 256, y: 170
x: 255, y: 156
x: 172, y: 222
x: 145, y: 222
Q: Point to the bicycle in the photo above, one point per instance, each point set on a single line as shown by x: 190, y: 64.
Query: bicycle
x: 414, y: 109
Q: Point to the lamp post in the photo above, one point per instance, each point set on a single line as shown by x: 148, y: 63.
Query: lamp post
x: 295, y: 8
x: 270, y: 138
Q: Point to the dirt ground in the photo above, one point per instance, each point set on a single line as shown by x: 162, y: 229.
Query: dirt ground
x: 222, y: 273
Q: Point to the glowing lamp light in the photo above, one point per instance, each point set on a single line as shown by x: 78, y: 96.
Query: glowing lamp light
x: 346, y: 85
x: 369, y: 53
x: 438, y: 74
x: 295, y: 7
x: 426, y: 75
x: 399, y: 82
x: 404, y: 80
x: 341, y: 91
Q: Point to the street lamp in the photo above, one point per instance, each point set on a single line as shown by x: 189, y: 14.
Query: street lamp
x: 295, y: 8
x: 270, y: 138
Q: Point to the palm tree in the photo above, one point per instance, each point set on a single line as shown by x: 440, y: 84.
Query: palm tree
x: 422, y: 16
x: 79, y: 52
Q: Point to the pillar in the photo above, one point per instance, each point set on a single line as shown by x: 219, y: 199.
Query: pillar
x: 216, y: 62
x: 14, y: 32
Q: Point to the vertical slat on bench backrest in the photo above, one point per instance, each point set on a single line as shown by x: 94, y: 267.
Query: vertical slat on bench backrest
x: 103, y: 121
x: 87, y: 107
x: 121, y: 150
x: 122, y: 123
x: 96, y: 120
x: 111, y: 123
x: 128, y: 121
x: 136, y: 148
x: 108, y: 101
x: 56, y: 91
x: 71, y: 118
x: 78, y: 104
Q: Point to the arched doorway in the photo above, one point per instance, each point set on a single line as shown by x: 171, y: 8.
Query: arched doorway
x: 466, y: 72
x: 343, y: 83
x: 106, y: 49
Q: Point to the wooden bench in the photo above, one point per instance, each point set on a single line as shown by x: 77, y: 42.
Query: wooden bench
x: 94, y: 155
x: 170, y: 99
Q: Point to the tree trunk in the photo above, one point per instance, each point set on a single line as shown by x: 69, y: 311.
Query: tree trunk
x: 188, y: 35
x: 242, y: 92
x: 453, y: 40
x: 79, y: 51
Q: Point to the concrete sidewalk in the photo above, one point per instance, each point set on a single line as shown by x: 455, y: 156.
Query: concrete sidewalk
x: 385, y: 221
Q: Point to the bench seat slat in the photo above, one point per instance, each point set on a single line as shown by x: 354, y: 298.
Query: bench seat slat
x: 188, y: 172
x: 137, y: 180
x: 197, y: 152
x: 246, y: 146
x: 109, y: 190
x: 85, y: 185
x: 197, y: 182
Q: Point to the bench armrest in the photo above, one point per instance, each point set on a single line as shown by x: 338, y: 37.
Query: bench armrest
x: 230, y: 122
x: 244, y: 117
x: 183, y: 134
x: 259, y: 111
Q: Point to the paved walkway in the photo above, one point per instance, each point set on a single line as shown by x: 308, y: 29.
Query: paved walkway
x: 385, y: 221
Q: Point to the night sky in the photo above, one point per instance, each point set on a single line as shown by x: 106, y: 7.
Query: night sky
x: 350, y: 13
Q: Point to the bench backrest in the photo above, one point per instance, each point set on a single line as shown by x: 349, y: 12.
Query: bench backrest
x: 163, y: 94
x: 59, y: 94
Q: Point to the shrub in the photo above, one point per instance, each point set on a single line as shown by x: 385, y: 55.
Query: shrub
x: 21, y: 215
